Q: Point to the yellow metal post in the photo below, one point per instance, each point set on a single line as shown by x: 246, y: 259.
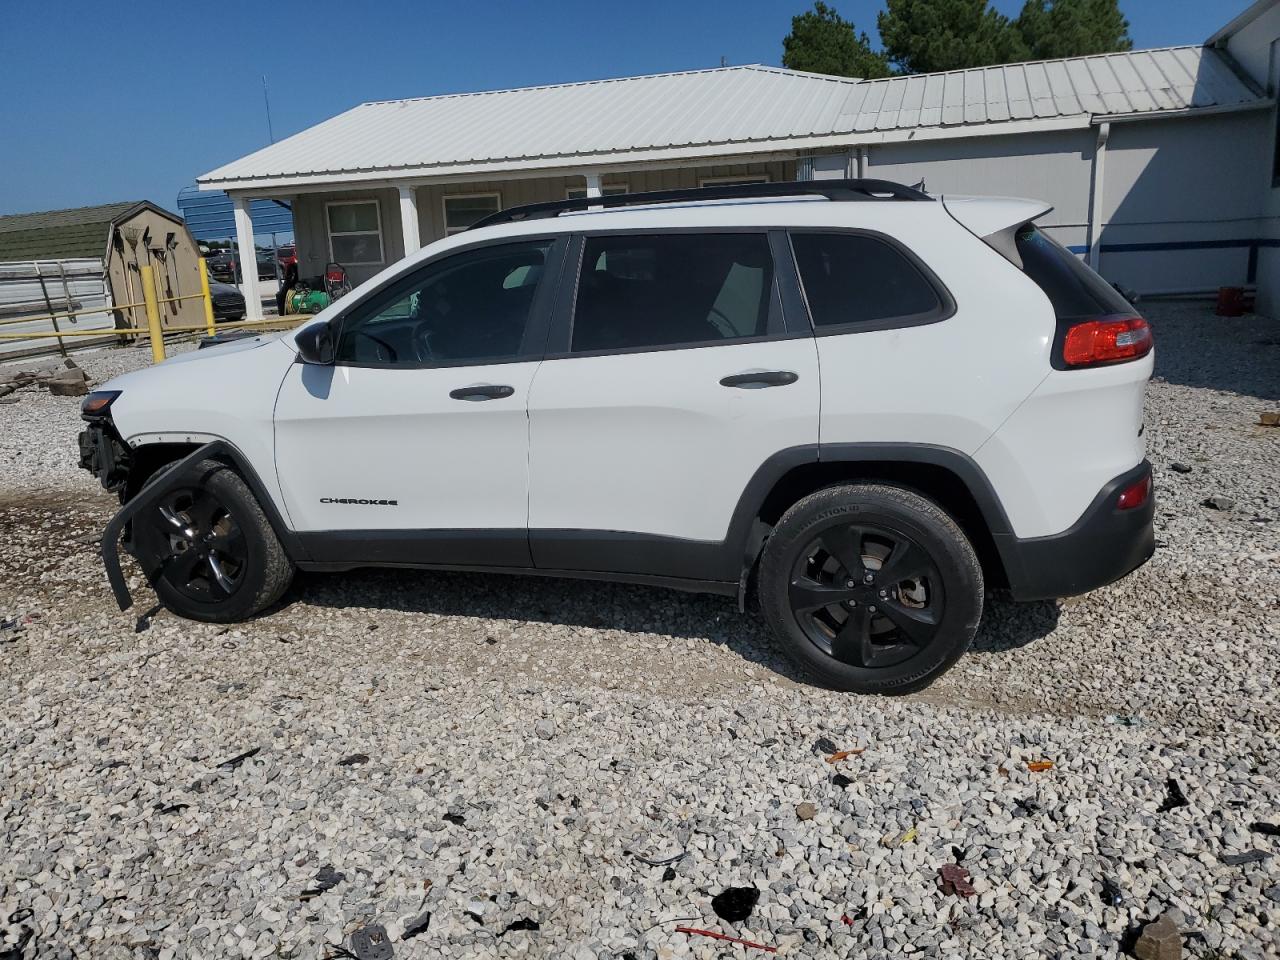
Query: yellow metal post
x: 208, y: 300
x: 153, y: 312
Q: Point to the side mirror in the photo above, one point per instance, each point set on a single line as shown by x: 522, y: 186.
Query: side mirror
x: 315, y: 344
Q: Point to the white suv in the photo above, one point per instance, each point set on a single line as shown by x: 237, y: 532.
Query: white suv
x: 859, y: 403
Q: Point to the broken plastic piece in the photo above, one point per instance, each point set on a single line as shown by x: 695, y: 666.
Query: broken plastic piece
x: 418, y: 925
x: 455, y: 818
x: 239, y: 759
x: 1112, y: 896
x: 1174, y: 797
x: 352, y: 760
x: 694, y: 931
x: 1266, y: 829
x: 841, y: 781
x: 371, y: 943
x: 1249, y: 856
x: 525, y: 924
x: 954, y: 879
x: 734, y: 904
x: 839, y: 755
x: 1039, y: 766
x: 326, y: 879
x: 659, y: 863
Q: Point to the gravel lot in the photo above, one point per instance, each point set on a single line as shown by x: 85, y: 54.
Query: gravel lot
x: 492, y: 750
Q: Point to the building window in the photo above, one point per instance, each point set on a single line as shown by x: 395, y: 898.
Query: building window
x: 733, y: 181
x: 608, y: 190
x: 355, y: 232
x: 464, y: 209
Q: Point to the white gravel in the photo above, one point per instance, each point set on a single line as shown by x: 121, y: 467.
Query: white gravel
x: 528, y: 740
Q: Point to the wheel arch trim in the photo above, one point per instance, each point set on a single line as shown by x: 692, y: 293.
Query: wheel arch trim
x: 746, y: 528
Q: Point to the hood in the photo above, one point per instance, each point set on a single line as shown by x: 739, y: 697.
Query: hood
x: 226, y: 349
x: 208, y: 357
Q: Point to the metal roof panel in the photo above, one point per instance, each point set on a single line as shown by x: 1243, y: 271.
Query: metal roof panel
x: 727, y: 106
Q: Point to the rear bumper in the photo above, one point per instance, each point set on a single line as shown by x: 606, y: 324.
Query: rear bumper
x: 1102, y: 546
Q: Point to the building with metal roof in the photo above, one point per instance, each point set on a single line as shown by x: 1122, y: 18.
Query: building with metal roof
x: 1119, y: 143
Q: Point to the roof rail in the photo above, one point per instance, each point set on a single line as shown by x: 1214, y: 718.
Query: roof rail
x: 840, y: 190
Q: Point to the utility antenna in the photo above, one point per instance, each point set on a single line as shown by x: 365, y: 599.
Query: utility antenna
x: 266, y: 97
x: 724, y: 61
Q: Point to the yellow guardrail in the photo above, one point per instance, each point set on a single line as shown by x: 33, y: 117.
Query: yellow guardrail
x: 154, y: 330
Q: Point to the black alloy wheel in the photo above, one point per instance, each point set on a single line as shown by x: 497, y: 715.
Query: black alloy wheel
x: 870, y: 587
x: 207, y: 552
x: 867, y: 595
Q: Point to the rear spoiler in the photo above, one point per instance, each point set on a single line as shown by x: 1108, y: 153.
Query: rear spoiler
x: 996, y: 220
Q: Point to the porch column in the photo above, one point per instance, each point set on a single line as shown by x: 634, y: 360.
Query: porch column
x: 593, y: 188
x: 248, y: 259
x: 409, y: 220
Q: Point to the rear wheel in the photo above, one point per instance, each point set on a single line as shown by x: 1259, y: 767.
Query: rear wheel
x: 871, y: 588
x: 219, y: 559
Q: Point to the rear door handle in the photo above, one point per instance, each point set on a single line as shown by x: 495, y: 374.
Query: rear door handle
x: 756, y: 379
x: 482, y: 391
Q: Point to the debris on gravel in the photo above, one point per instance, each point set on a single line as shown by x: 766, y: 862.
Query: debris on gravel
x: 123, y: 835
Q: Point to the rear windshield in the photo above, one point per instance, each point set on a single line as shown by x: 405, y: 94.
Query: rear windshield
x: 1071, y: 286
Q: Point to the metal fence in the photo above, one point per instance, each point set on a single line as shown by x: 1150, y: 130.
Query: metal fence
x: 66, y: 316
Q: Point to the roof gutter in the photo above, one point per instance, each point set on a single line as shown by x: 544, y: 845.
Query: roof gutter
x: 1100, y: 118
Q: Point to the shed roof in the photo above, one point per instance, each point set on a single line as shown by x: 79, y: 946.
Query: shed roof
x: 65, y: 234
x: 728, y: 110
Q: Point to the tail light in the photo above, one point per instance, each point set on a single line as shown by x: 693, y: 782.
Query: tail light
x: 1135, y: 495
x: 1106, y: 340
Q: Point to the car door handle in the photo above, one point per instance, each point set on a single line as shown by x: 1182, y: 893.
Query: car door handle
x: 755, y: 379
x: 482, y: 391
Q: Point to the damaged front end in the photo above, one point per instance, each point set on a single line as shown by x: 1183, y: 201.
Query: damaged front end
x: 102, y: 451
x: 105, y: 454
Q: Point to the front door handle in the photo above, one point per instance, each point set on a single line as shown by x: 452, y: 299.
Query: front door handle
x: 482, y: 391
x: 756, y: 379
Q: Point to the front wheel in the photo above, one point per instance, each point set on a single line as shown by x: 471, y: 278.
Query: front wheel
x: 218, y: 558
x: 871, y: 588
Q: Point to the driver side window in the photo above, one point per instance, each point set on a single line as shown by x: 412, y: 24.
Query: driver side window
x: 473, y: 307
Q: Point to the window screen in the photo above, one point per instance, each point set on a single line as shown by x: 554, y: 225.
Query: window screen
x: 460, y: 212
x: 661, y: 290
x: 1071, y: 286
x: 355, y: 232
x: 852, y: 278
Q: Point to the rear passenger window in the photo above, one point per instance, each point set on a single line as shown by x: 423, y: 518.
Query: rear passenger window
x: 660, y: 290
x: 1070, y: 284
x: 855, y: 279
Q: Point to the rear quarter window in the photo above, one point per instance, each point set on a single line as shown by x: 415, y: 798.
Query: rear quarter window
x: 856, y: 281
x: 1073, y: 288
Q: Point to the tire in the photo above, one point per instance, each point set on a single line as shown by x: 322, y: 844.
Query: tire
x: 897, y: 612
x: 222, y: 561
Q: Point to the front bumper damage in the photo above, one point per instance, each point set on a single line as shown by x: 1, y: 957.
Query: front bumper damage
x: 104, y: 455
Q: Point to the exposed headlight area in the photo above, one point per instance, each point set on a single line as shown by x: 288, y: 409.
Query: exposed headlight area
x: 98, y: 404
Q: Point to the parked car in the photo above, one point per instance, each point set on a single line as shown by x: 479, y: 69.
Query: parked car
x: 224, y: 265
x: 857, y: 404
x: 228, y: 301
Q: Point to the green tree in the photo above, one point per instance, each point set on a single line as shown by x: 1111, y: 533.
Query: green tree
x: 821, y: 41
x: 925, y: 36
x: 1072, y: 28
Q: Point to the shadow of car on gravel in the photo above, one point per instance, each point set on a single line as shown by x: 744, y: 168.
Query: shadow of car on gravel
x: 614, y: 606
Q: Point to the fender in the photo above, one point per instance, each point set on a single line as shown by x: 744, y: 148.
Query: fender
x: 166, y: 480
x: 746, y: 529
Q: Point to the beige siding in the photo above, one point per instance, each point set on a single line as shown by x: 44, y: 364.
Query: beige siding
x: 312, y: 236
x: 310, y: 230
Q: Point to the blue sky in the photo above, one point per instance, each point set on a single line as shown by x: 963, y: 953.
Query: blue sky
x: 103, y: 101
